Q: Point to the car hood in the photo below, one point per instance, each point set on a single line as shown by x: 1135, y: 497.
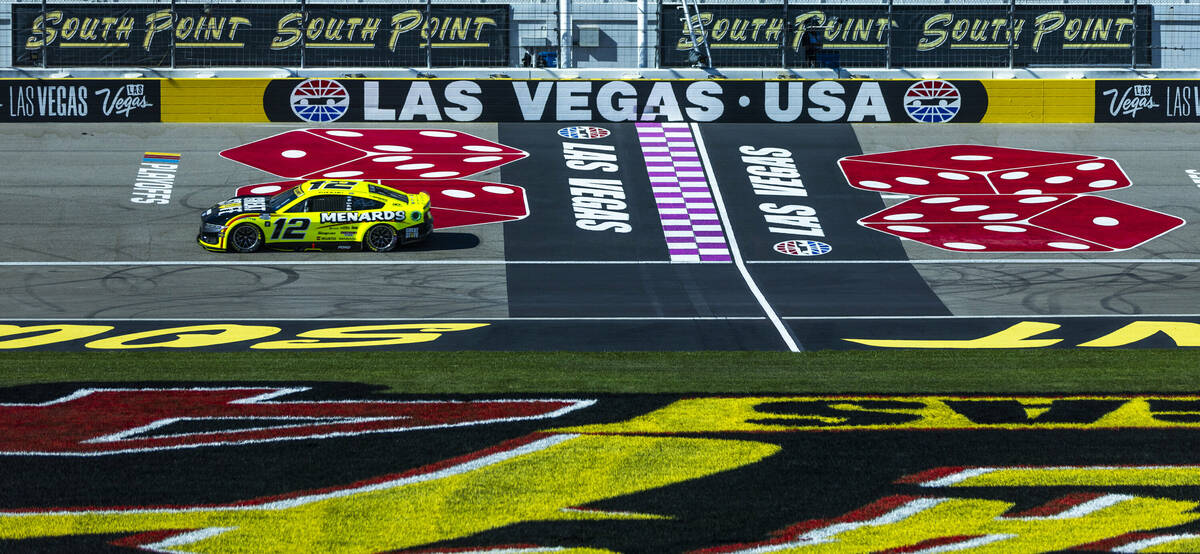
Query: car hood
x: 222, y: 212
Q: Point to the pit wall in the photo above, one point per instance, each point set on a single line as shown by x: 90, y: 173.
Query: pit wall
x: 349, y: 100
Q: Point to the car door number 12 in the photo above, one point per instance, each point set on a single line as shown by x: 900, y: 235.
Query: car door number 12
x: 295, y: 229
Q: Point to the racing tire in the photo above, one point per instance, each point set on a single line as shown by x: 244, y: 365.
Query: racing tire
x: 381, y: 238
x: 245, y: 238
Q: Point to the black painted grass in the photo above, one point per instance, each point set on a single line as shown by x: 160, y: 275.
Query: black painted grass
x: 936, y: 371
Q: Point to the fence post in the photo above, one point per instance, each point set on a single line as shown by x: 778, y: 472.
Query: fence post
x: 642, y: 43
x: 42, y: 47
x: 1012, y: 50
x: 1133, y: 43
x: 429, y: 38
x: 303, y: 31
x: 888, y: 63
x: 566, y: 32
x: 172, y: 34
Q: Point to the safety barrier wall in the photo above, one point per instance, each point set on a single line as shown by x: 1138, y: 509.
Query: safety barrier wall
x: 504, y: 100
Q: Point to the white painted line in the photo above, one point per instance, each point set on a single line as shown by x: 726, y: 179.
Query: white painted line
x: 782, y: 328
x: 233, y: 263
x: 1052, y: 261
x: 702, y: 227
x: 998, y: 316
x: 351, y: 318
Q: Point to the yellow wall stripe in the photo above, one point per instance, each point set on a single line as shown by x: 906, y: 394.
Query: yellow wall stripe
x: 213, y: 100
x: 1040, y: 101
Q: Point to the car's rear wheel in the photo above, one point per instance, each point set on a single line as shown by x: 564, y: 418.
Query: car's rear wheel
x: 381, y: 238
x: 245, y: 238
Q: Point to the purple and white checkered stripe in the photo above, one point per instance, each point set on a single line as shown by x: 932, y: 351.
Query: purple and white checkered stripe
x: 685, y: 202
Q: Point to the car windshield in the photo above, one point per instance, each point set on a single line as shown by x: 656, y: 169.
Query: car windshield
x: 280, y: 200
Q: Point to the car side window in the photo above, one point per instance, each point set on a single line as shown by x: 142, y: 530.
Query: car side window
x: 384, y: 191
x: 360, y: 203
x: 329, y: 203
x: 299, y: 207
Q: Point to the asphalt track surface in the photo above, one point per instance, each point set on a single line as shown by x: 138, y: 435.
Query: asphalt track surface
x: 74, y: 247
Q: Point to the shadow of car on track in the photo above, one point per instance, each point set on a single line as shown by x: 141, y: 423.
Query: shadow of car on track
x: 441, y: 240
x: 437, y: 241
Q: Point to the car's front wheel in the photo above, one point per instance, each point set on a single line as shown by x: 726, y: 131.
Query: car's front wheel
x: 245, y: 238
x: 381, y: 238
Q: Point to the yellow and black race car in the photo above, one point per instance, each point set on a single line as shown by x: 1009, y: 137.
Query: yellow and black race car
x: 323, y: 214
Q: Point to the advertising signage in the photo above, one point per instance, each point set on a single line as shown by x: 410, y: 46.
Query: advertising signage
x: 799, y: 35
x: 79, y: 100
x: 1149, y: 101
x: 380, y: 35
x: 733, y: 101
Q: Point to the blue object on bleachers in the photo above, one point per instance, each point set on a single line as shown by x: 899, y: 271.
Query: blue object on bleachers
x: 547, y: 59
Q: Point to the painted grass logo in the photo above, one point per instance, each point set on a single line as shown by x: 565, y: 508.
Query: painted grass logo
x: 634, y: 473
x: 94, y: 422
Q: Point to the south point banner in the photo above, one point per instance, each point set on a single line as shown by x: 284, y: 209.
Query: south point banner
x: 799, y: 35
x: 381, y: 35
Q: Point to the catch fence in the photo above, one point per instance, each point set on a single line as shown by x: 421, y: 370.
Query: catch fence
x: 602, y: 34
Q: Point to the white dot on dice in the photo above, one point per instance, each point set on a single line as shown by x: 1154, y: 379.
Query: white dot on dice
x: 902, y: 217
x: 940, y: 200
x: 908, y: 229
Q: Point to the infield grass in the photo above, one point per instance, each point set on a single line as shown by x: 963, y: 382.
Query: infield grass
x: 936, y: 371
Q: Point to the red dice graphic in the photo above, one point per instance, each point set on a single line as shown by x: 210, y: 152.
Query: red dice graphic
x: 1034, y: 223
x: 978, y: 169
x: 266, y: 189
x: 410, y: 160
x: 460, y: 202
x: 374, y: 154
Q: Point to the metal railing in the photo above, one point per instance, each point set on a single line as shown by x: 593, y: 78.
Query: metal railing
x: 604, y: 34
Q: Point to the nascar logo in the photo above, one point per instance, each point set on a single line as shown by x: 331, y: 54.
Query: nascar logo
x: 583, y: 132
x: 932, y: 101
x: 320, y: 100
x: 802, y: 247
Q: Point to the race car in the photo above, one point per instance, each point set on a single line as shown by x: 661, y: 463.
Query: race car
x: 320, y: 214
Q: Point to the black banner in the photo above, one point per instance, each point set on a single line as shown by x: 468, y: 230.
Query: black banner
x: 931, y: 101
x: 1151, y: 101
x: 77, y: 100
x: 921, y: 36
x: 260, y: 35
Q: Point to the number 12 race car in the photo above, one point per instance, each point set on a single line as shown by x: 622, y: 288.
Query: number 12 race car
x: 324, y: 214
